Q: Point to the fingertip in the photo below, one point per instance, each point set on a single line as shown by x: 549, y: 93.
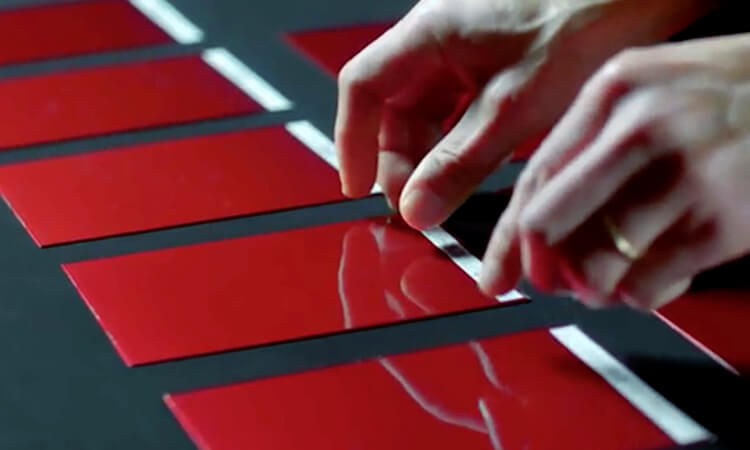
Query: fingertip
x: 487, y: 280
x: 494, y: 279
x: 353, y: 190
x: 422, y: 209
x: 539, y: 261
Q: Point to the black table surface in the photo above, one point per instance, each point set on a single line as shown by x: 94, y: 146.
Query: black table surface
x: 63, y: 386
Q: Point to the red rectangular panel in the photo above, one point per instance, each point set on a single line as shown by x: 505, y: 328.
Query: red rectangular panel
x: 115, y: 98
x: 524, y: 391
x: 224, y: 295
x: 332, y: 48
x: 717, y: 321
x: 65, y: 29
x: 151, y: 186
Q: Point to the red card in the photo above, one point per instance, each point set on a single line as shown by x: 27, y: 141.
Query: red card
x: 332, y: 48
x: 74, y: 28
x: 224, y: 295
x: 524, y: 391
x: 115, y: 98
x: 717, y: 322
x: 151, y: 186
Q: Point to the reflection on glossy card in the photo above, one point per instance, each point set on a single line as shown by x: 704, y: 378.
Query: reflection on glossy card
x: 257, y: 290
x: 525, y: 391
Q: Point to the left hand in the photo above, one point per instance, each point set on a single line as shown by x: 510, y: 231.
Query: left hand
x: 655, y: 151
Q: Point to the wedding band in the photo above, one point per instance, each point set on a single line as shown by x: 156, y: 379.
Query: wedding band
x: 623, y: 245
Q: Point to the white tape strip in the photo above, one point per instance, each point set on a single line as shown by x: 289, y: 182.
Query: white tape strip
x: 319, y: 143
x: 463, y: 259
x: 313, y: 138
x: 322, y: 146
x: 170, y: 20
x: 250, y: 82
x: 674, y: 423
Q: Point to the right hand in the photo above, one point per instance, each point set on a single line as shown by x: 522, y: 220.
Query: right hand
x: 521, y: 62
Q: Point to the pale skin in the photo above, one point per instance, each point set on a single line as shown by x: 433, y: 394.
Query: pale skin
x: 651, y: 139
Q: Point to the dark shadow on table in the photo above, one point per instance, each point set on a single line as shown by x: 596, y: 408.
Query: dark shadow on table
x: 709, y: 394
x: 473, y: 222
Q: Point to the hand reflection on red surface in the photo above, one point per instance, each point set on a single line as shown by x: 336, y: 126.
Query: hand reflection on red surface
x: 374, y: 273
x: 388, y: 272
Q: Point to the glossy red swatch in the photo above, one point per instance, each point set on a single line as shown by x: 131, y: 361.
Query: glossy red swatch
x: 224, y: 295
x: 717, y: 321
x: 115, y: 98
x: 74, y: 28
x: 524, y: 391
x: 332, y: 48
x: 170, y: 183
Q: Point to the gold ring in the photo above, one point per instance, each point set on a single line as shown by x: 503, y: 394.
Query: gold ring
x: 623, y: 245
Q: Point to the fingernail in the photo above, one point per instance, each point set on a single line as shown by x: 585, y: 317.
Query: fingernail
x: 422, y: 209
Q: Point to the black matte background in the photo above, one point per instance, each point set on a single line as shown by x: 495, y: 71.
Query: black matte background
x: 63, y: 386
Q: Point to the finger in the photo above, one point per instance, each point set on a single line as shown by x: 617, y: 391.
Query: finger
x: 654, y: 296
x: 356, y: 131
x: 365, y: 83
x: 649, y: 205
x: 501, y: 264
x: 501, y: 267
x: 625, y: 146
x: 404, y: 139
x: 496, y: 122
x: 688, y: 248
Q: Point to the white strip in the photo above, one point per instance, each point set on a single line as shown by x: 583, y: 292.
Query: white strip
x: 322, y: 146
x: 250, y: 82
x: 319, y: 143
x: 677, y: 425
x: 463, y: 259
x: 170, y: 20
x: 314, y: 139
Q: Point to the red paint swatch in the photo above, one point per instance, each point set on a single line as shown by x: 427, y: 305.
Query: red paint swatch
x: 332, y: 48
x: 717, y: 321
x: 52, y: 31
x: 524, y: 391
x: 224, y: 295
x: 93, y: 195
x: 115, y: 98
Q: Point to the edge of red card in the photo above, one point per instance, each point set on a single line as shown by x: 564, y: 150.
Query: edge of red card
x: 74, y: 28
x: 224, y: 295
x: 535, y: 389
x: 121, y: 97
x: 168, y: 183
x: 331, y: 48
x: 716, y: 321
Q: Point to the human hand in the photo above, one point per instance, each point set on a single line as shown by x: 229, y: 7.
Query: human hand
x: 521, y: 61
x: 657, y: 149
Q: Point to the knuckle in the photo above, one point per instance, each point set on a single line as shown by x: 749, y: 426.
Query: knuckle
x: 623, y: 63
x: 350, y: 76
x: 456, y: 170
x: 617, y: 71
